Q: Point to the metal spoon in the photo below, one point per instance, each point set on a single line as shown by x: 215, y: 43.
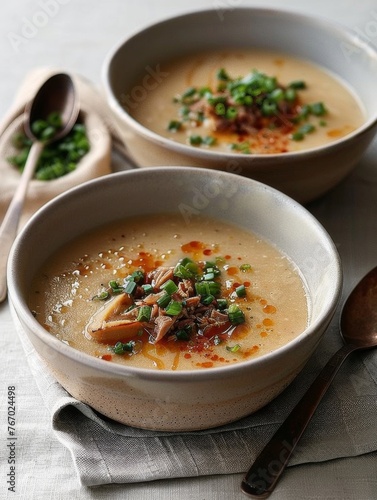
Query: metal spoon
x: 358, y: 327
x: 57, y: 94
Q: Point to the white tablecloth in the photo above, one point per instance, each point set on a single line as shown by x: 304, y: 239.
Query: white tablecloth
x: 76, y: 36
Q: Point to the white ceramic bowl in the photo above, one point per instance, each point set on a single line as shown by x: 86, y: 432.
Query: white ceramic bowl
x: 302, y: 175
x: 179, y: 400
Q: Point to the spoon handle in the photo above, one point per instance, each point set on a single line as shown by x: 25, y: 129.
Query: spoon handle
x: 9, y: 226
x: 262, y: 477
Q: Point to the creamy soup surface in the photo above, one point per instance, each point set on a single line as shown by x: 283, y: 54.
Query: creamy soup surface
x: 281, y: 125
x: 252, y: 276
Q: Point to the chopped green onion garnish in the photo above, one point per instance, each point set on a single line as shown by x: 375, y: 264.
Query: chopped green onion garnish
x: 115, y: 287
x: 245, y: 267
x: 101, y: 296
x: 173, y: 308
x: 207, y: 300
x: 186, y: 269
x: 208, y: 140
x: 222, y: 75
x: 137, y: 275
x: 188, y: 97
x: 47, y: 133
x: 270, y: 83
x: 297, y: 84
x: 202, y: 288
x: 38, y: 126
x: 297, y: 136
x: 231, y: 113
x: 318, y: 109
x: 244, y: 147
x: 216, y: 100
x: 214, y: 287
x: 57, y: 159
x: 129, y: 287
x: 241, y: 291
x: 121, y: 348
x: 205, y: 288
x: 144, y: 313
x: 184, y: 112
x: 186, y: 260
x: 180, y: 271
x: 234, y: 348
x: 189, y: 92
x: 169, y: 286
x: 290, y: 94
x: 235, y: 315
x: 164, y: 300
x: 174, y: 125
x: 307, y: 128
x: 55, y: 119
x: 182, y: 334
x: 277, y: 95
x: 222, y: 304
x: 132, y: 306
x: 269, y: 107
x: 195, y: 140
x: 220, y: 109
x: 205, y: 91
x: 219, y: 261
x: 200, y: 118
x: 237, y: 99
x: 147, y: 289
x: 211, y: 267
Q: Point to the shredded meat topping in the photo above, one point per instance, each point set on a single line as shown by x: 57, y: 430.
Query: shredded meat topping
x: 175, y: 301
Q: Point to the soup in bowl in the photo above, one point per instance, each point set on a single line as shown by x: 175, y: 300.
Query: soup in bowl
x: 172, y: 300
x: 280, y: 97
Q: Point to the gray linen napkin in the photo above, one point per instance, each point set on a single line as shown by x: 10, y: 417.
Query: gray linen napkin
x: 106, y: 452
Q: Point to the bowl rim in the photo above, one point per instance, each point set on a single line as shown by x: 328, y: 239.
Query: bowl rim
x: 206, y: 154
x: 24, y: 314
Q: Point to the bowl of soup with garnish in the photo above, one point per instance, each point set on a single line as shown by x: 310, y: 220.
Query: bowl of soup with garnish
x: 280, y: 97
x: 172, y: 300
